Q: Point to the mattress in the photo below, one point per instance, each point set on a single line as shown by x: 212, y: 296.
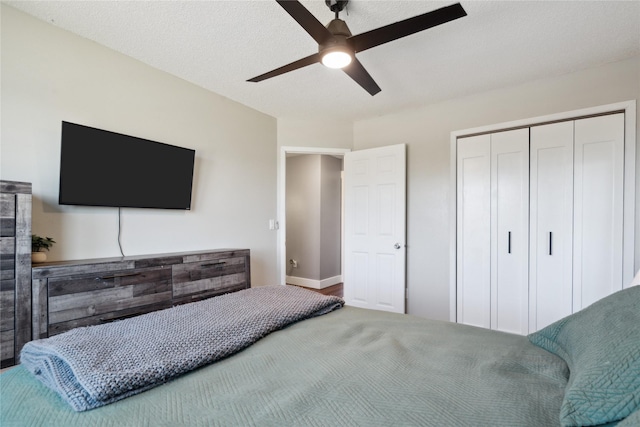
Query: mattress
x: 350, y: 367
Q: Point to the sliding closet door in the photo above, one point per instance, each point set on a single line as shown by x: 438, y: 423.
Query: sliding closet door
x: 551, y: 224
x: 474, y: 231
x: 598, y: 214
x: 510, y: 230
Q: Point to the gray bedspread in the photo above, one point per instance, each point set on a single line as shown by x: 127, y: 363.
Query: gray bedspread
x: 94, y: 366
x: 350, y: 367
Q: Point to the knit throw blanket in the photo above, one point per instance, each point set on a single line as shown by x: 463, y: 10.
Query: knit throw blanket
x: 93, y: 366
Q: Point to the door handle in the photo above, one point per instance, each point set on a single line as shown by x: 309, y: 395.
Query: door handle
x: 397, y: 246
x: 509, y: 244
x: 550, y: 243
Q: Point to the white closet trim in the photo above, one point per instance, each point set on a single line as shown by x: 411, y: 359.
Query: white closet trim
x: 629, y: 108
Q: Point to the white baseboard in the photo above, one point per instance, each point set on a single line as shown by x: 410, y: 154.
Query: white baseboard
x: 314, y: 284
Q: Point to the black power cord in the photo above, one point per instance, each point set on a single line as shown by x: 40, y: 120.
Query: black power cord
x: 120, y: 230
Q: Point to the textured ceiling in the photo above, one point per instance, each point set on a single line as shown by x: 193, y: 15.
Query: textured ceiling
x: 220, y: 44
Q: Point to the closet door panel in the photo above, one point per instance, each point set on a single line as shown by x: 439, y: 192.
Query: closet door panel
x: 510, y: 230
x: 473, y: 231
x: 598, y: 215
x: 551, y: 224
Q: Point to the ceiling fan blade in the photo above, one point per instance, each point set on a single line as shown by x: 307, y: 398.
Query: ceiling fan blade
x: 356, y: 71
x: 400, y: 29
x: 311, y: 59
x: 306, y: 20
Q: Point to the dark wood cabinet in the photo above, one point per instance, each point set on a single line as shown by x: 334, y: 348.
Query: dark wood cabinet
x: 15, y: 269
x: 69, y: 294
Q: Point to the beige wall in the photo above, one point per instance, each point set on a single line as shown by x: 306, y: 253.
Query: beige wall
x: 50, y: 75
x: 315, y: 133
x: 426, y: 131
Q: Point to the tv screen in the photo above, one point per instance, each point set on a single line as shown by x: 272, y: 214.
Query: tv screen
x: 102, y: 168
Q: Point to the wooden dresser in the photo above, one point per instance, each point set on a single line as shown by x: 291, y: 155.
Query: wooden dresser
x: 69, y: 294
x: 15, y: 269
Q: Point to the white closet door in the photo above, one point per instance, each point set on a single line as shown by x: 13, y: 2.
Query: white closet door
x: 473, y: 231
x: 551, y: 224
x: 510, y: 231
x: 598, y: 208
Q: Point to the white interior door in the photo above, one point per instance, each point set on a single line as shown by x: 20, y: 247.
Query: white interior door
x: 598, y: 209
x: 510, y: 231
x: 474, y: 231
x: 375, y: 228
x: 551, y: 250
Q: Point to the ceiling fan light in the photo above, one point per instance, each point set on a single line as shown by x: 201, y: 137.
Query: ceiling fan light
x: 336, y: 59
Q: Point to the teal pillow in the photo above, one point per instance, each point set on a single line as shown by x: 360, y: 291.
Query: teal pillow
x: 601, y: 345
x: 632, y: 420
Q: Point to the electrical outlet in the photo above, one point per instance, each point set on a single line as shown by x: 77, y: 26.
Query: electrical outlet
x: 293, y: 263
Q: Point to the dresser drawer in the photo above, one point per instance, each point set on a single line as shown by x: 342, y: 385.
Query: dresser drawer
x: 7, y: 215
x: 7, y: 258
x: 91, y: 299
x: 7, y: 323
x: 199, y: 280
x: 7, y: 305
x: 7, y: 348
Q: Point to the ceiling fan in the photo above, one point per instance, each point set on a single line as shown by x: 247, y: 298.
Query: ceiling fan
x: 337, y: 47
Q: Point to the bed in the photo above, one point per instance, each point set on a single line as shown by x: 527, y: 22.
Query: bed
x: 356, y: 367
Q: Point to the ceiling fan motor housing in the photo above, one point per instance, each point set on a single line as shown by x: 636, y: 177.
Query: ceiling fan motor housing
x: 338, y: 27
x: 340, y: 32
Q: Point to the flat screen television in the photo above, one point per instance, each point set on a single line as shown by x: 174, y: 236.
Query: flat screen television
x: 102, y: 168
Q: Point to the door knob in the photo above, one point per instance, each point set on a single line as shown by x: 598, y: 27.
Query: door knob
x: 397, y: 246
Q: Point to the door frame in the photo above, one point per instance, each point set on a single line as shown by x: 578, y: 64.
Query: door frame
x: 282, y: 200
x: 629, y: 215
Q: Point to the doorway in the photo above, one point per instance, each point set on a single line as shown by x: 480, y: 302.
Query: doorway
x: 306, y: 261
x: 373, y: 241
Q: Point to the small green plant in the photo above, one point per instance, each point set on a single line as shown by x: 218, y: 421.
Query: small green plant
x: 39, y: 244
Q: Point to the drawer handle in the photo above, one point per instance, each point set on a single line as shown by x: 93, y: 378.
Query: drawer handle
x: 214, y: 264
x: 114, y: 319
x: 115, y: 276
